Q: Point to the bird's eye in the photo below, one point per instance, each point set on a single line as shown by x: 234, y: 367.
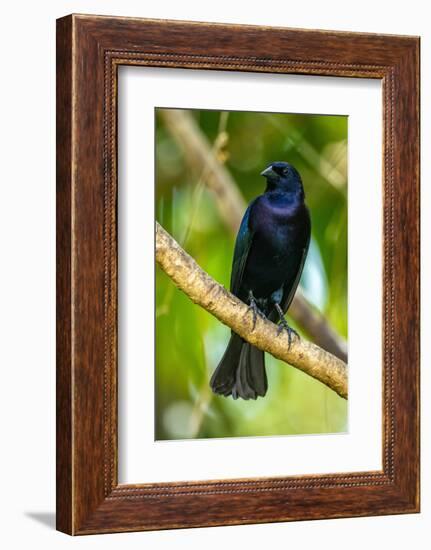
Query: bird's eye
x: 285, y: 171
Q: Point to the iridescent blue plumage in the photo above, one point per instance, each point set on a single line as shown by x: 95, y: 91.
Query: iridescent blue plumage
x: 269, y: 256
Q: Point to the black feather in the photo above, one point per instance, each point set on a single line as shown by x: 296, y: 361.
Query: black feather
x: 269, y: 256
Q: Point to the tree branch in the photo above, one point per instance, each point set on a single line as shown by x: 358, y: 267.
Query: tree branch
x: 317, y: 327
x: 231, y: 205
x: 214, y: 298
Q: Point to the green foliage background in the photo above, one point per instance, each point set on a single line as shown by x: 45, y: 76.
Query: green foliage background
x: 189, y: 341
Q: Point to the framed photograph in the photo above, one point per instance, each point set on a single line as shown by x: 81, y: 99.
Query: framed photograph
x: 237, y: 274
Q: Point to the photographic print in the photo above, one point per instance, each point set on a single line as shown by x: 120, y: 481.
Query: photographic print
x: 259, y: 201
x: 214, y: 265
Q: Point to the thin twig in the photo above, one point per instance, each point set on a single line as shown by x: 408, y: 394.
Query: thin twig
x: 214, y: 298
x: 327, y: 169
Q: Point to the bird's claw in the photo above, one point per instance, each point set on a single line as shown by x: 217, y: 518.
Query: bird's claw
x: 284, y: 326
x: 256, y: 312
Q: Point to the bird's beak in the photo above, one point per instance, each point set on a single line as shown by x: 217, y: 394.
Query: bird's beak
x: 268, y: 172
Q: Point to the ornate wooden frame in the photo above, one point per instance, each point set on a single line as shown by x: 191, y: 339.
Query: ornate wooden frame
x: 89, y: 51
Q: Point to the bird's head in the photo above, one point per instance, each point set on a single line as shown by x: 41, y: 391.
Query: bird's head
x: 284, y: 177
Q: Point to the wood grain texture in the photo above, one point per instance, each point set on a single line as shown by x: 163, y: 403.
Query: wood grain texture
x: 64, y: 497
x: 90, y: 49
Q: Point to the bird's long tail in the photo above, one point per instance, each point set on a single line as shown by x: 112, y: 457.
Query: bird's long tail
x: 241, y: 371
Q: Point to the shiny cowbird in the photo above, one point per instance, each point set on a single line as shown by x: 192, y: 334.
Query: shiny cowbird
x: 269, y: 256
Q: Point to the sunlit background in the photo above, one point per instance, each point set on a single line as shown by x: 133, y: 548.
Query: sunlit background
x: 189, y: 341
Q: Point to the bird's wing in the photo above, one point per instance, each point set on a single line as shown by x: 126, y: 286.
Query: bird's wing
x: 290, y: 286
x: 240, y: 255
